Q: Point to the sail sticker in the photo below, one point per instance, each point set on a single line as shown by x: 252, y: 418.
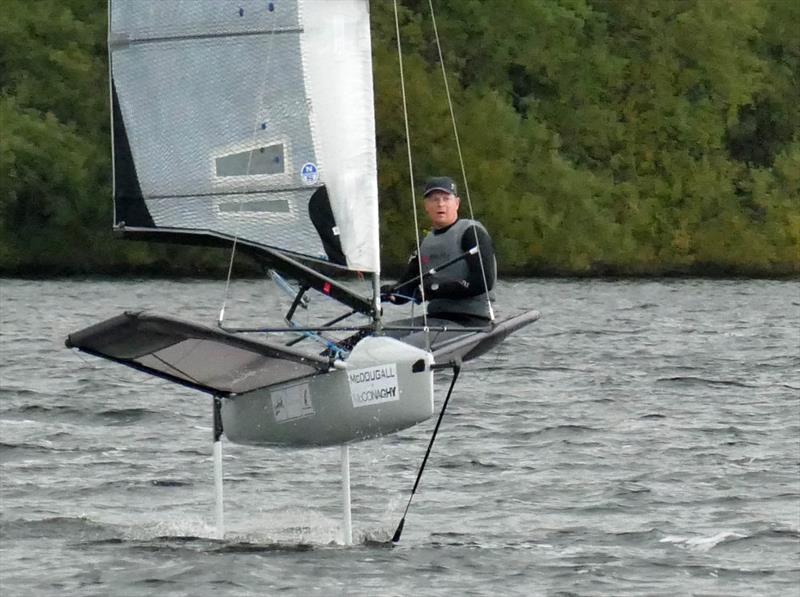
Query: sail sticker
x: 309, y: 173
x: 373, y: 385
x: 290, y: 403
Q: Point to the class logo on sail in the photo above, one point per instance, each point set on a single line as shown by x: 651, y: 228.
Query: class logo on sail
x: 309, y: 173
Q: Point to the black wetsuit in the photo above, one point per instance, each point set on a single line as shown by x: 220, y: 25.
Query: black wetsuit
x: 457, y: 292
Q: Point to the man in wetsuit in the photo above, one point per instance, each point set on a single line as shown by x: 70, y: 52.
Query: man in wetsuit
x: 457, y: 292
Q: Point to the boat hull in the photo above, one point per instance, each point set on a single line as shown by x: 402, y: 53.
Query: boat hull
x: 384, y: 386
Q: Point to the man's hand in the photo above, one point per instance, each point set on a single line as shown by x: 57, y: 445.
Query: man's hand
x: 387, y: 293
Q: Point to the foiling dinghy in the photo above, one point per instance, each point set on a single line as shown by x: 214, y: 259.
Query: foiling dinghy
x: 250, y: 124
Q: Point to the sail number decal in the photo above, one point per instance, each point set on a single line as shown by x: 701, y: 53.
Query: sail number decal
x: 293, y: 402
x: 373, y: 385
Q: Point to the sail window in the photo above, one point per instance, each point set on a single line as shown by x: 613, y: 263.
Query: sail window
x: 261, y: 160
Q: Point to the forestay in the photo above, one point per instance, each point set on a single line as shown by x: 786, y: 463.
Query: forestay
x: 251, y: 120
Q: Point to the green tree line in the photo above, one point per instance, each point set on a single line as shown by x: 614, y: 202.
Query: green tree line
x: 621, y: 137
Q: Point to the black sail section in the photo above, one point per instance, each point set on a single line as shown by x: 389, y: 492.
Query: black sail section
x: 319, y: 209
x: 129, y: 205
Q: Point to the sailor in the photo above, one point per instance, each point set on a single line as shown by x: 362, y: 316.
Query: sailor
x: 461, y: 291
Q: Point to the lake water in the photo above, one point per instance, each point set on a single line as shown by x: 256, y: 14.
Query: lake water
x: 642, y: 438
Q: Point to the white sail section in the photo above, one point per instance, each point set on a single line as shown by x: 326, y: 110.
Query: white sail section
x: 231, y: 115
x: 338, y: 57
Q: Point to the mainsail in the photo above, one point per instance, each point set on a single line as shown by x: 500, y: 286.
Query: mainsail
x: 247, y: 120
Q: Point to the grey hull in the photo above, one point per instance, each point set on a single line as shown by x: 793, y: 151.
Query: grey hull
x: 384, y: 386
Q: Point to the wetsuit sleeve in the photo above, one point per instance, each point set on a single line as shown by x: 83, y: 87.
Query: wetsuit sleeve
x: 475, y: 236
x: 473, y: 284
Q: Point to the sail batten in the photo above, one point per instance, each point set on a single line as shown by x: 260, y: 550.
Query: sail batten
x: 225, y: 194
x: 230, y: 117
x: 121, y: 42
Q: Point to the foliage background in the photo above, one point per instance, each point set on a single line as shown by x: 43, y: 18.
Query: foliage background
x: 617, y: 137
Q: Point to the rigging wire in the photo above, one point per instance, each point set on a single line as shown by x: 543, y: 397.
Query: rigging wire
x: 118, y: 378
x: 260, y: 106
x: 411, y: 170
x: 460, y: 156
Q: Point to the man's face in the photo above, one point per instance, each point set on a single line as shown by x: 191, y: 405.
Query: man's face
x: 442, y: 208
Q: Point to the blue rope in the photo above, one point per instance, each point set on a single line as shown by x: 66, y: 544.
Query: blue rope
x: 335, y: 349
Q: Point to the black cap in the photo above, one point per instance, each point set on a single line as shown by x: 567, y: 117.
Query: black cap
x: 440, y: 183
